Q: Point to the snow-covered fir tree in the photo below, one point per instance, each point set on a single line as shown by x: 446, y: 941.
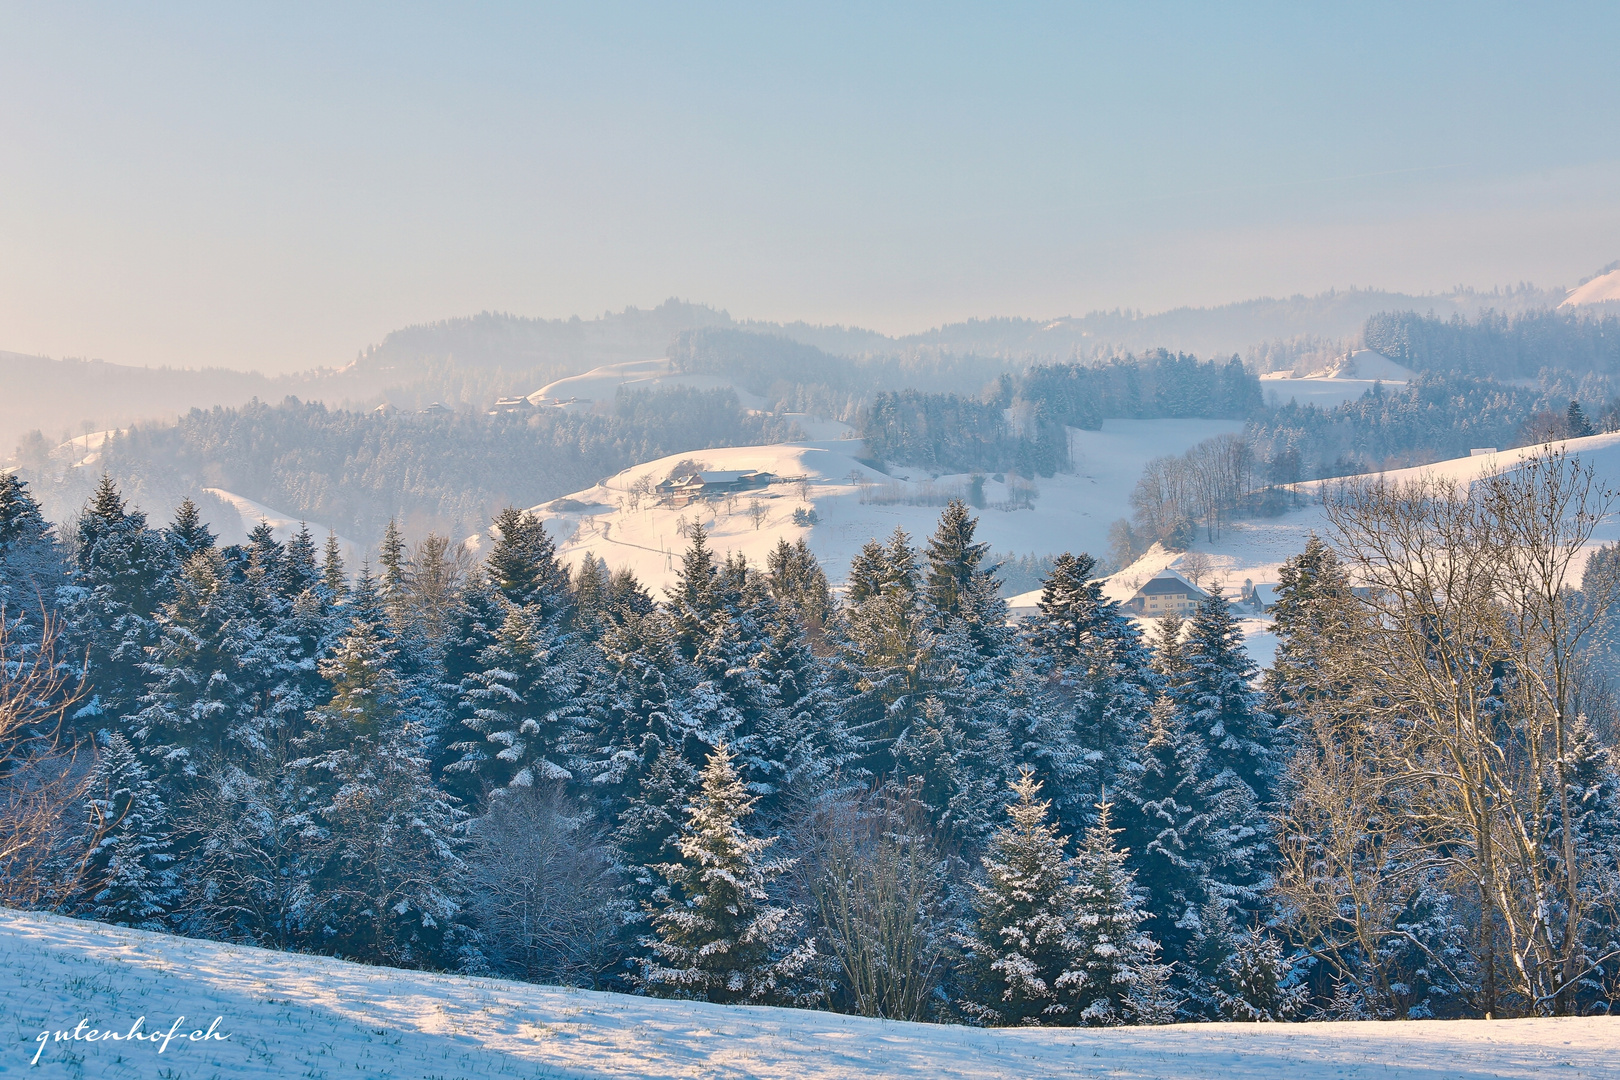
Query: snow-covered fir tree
x: 1086, y: 738
x: 716, y: 934
x: 31, y: 569
x: 122, y: 576
x: 884, y: 650
x: 385, y: 869
x: 1313, y: 612
x: 1024, y: 950
x: 1118, y: 977
x: 1215, y: 687
x: 128, y: 874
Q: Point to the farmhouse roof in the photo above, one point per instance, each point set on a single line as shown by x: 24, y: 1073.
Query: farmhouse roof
x: 1169, y: 583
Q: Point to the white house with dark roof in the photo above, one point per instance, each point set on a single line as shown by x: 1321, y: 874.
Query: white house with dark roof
x: 1164, y: 593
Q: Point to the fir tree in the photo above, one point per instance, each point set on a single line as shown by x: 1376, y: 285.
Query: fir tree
x: 867, y: 573
x: 386, y: 875
x: 1215, y: 688
x: 31, y: 569
x: 526, y: 703
x: 1024, y: 953
x: 302, y: 572
x: 391, y: 559
x: 953, y: 560
x: 695, y: 604
x: 1087, y: 737
x: 522, y: 566
x: 1173, y: 828
x: 1311, y: 617
x: 122, y: 577
x: 1195, y: 832
x: 334, y: 582
x: 1168, y: 660
x: 199, y: 690
x: 799, y: 585
x: 1118, y: 975
x: 716, y: 936
x: 188, y: 533
x: 1576, y: 423
x: 129, y: 871
x: 884, y: 652
x: 643, y: 754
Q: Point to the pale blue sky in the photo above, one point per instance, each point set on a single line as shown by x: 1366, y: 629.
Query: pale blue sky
x: 278, y: 186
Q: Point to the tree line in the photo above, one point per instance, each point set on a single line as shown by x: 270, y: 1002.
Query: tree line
x: 1022, y: 422
x: 1496, y: 344
x: 888, y: 801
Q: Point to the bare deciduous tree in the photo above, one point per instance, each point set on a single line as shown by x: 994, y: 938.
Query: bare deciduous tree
x: 880, y: 885
x: 1465, y: 667
x: 543, y: 889
x: 41, y: 781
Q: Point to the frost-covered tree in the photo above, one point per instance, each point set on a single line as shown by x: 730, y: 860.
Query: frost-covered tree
x: 1024, y: 951
x: 525, y: 702
x: 1178, y: 819
x: 1118, y: 976
x: 522, y: 566
x: 1085, y: 739
x: 1215, y: 687
x: 122, y: 572
x: 642, y: 750
x: 953, y: 561
x: 884, y: 652
x: 129, y: 873
x: 386, y: 871
x: 716, y: 934
x: 1313, y: 613
x: 524, y: 693
x: 31, y: 570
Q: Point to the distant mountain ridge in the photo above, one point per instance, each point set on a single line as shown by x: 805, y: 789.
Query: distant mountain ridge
x: 473, y: 359
x: 513, y: 342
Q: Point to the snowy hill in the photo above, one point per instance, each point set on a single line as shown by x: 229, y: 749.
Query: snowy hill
x: 251, y: 513
x: 1254, y: 550
x: 1346, y: 380
x: 854, y: 503
x: 284, y: 1014
x: 1600, y: 290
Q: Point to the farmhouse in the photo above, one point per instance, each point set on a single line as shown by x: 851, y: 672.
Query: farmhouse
x: 1165, y: 592
x: 681, y: 490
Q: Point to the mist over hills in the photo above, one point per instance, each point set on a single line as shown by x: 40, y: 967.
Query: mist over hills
x: 476, y: 358
x: 516, y: 343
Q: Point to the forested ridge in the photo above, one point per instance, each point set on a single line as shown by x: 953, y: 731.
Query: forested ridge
x: 890, y: 801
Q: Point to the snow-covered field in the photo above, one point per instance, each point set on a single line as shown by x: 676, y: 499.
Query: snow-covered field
x: 1255, y: 549
x: 299, y: 1016
x: 1346, y: 380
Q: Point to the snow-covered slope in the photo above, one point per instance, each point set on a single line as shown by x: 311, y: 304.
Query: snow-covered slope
x: 1346, y: 380
x: 285, y: 528
x: 602, y: 384
x: 287, y: 1015
x: 1601, y: 289
x: 854, y: 503
x: 1254, y: 550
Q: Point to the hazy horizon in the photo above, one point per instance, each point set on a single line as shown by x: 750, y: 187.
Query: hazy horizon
x: 275, y: 190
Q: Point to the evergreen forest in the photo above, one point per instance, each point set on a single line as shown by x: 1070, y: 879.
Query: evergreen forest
x: 890, y: 801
